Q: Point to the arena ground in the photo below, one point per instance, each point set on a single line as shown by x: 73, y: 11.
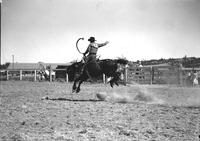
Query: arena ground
x: 46, y: 111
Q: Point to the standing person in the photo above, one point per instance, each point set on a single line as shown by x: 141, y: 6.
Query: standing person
x: 92, y: 49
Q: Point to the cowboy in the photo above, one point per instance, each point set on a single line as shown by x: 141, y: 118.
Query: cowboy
x: 92, y: 49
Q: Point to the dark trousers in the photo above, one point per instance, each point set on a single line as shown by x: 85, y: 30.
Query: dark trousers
x: 90, y: 60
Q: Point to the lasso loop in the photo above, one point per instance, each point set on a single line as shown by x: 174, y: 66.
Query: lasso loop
x: 77, y: 45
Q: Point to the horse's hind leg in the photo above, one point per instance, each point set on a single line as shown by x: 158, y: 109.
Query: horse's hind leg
x: 81, y: 79
x: 79, y: 86
x: 114, y: 80
x: 111, y: 84
x: 110, y: 80
x: 116, y: 83
x: 74, y: 85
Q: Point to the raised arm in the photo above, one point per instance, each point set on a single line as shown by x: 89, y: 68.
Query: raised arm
x: 103, y: 44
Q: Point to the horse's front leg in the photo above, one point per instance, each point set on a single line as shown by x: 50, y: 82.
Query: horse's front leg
x: 81, y: 79
x: 79, y: 86
x: 74, y: 85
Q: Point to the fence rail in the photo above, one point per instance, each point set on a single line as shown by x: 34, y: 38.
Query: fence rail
x: 18, y: 73
x: 142, y: 75
x: 159, y: 75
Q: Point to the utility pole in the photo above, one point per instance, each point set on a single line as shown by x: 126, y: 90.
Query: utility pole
x: 0, y: 30
x: 13, y: 60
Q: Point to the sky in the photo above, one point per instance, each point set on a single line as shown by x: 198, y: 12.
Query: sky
x: 47, y: 30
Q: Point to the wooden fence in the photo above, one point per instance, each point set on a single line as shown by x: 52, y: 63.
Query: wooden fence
x: 158, y: 75
x: 19, y: 74
x: 140, y: 75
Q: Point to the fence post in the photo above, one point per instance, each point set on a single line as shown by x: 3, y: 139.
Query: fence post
x: 125, y: 75
x: 180, y: 75
x: 7, y: 75
x: 104, y: 78
x: 67, y: 77
x: 50, y: 76
x: 151, y: 75
x: 20, y: 74
x: 55, y: 73
x: 35, y: 75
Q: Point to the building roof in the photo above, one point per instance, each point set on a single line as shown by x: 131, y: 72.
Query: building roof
x: 33, y: 66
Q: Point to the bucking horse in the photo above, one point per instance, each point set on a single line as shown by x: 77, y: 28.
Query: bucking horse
x: 110, y: 67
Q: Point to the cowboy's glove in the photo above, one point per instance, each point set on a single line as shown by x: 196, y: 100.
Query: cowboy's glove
x: 106, y: 42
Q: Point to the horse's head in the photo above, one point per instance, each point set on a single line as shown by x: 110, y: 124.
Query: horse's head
x: 75, y: 68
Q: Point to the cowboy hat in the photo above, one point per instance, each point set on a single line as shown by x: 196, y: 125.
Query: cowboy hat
x: 91, y: 39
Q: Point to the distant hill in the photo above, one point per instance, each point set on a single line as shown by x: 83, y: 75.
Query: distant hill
x: 187, y: 62
x: 191, y: 62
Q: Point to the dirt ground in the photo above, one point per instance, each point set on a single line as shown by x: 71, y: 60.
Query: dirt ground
x: 44, y: 111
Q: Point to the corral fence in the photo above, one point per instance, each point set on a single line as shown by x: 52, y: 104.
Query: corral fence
x: 140, y: 75
x: 161, y: 75
x: 27, y: 74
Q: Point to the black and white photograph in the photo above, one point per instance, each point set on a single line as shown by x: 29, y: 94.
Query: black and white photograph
x: 100, y: 70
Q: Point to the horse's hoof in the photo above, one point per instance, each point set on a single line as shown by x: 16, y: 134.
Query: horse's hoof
x: 74, y: 90
x: 111, y: 84
x: 116, y: 83
x: 78, y: 90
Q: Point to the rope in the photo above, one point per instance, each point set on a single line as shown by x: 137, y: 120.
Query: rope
x: 77, y: 45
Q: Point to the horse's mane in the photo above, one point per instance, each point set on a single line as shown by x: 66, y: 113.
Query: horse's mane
x: 121, y: 61
x: 117, y: 61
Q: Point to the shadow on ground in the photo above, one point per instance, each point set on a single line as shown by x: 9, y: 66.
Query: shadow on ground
x: 74, y: 100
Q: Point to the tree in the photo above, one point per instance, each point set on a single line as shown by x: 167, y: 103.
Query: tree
x: 4, y: 66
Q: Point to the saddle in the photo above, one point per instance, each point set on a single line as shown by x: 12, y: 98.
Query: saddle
x: 92, y: 68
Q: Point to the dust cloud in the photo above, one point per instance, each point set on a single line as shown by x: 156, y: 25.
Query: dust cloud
x: 138, y: 94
